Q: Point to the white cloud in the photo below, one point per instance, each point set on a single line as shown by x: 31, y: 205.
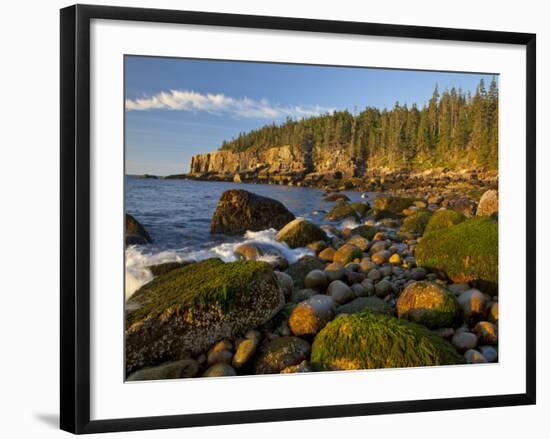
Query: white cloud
x: 186, y: 100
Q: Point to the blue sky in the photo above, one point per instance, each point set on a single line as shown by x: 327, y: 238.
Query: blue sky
x: 176, y: 108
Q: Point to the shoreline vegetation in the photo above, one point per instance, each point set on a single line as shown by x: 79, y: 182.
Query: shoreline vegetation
x: 407, y: 277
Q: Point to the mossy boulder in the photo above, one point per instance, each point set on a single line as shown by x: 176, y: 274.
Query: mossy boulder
x: 299, y: 270
x: 416, y: 222
x: 300, y: 233
x: 341, y: 212
x: 187, y: 310
x: 239, y: 210
x: 443, y: 219
x: 372, y: 340
x: 467, y: 252
x: 347, y: 253
x: 394, y: 205
x: 135, y: 232
x: 429, y: 304
x: 167, y: 267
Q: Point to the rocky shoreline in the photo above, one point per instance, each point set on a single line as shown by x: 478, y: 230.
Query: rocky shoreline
x: 414, y: 283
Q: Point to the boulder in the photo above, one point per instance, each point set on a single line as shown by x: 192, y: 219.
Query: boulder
x: 280, y: 353
x: 299, y: 270
x: 341, y: 212
x: 467, y: 252
x: 347, y: 253
x: 372, y: 340
x: 335, y: 197
x: 300, y: 233
x: 239, y: 210
x: 187, y: 368
x: 310, y: 316
x: 443, y: 219
x: 187, y: 310
x: 135, y: 232
x: 429, y: 304
x: 488, y: 204
x: 416, y: 222
x: 167, y: 267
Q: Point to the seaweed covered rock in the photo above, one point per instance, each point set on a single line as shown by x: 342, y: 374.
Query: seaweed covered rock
x: 443, y: 219
x: 135, y: 232
x: 187, y: 310
x: 371, y: 340
x: 342, y: 211
x: 488, y: 204
x: 167, y: 267
x: 394, y: 205
x: 280, y: 353
x: 300, y: 233
x: 416, y: 222
x: 429, y: 304
x: 239, y: 210
x: 299, y: 270
x: 467, y: 252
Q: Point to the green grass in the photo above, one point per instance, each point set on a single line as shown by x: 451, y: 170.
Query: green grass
x: 443, y: 219
x: 465, y: 252
x: 206, y: 283
x: 370, y: 341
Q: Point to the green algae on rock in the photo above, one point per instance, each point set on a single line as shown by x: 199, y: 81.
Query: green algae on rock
x: 428, y: 303
x: 371, y: 340
x: 186, y: 310
x: 443, y: 219
x: 467, y: 252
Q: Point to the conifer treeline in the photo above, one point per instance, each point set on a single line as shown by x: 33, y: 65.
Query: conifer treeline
x: 454, y: 129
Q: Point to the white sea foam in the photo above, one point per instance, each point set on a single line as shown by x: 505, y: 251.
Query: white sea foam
x: 138, y: 258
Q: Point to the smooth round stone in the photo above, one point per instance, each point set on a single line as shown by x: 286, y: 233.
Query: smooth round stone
x: 310, y: 316
x: 327, y: 255
x: 464, y: 341
x: 359, y: 290
x: 335, y: 271
x: 378, y: 246
x: 352, y: 266
x: 222, y: 356
x: 340, y: 292
x: 487, y: 332
x: 386, y: 271
x: 381, y: 257
x: 366, y: 264
x: 383, y: 288
x: 351, y: 277
x: 458, y: 289
x: 368, y: 285
x: 474, y: 305
x: 316, y: 280
x: 223, y: 345
x: 220, y: 370
x: 474, y: 357
x: 418, y: 273
x: 245, y: 351
x: 374, y: 274
x: 303, y: 367
x: 493, y: 313
x: 490, y: 353
x: 301, y: 295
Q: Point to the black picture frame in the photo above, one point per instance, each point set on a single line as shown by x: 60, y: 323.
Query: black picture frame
x: 75, y: 217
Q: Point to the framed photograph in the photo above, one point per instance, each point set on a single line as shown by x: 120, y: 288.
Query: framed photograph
x: 268, y: 219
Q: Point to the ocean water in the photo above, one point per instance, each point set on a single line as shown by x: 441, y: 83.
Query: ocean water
x: 177, y: 215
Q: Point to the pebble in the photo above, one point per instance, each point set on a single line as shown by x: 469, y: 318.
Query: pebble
x: 381, y: 257
x: 374, y: 274
x: 490, y: 353
x: 474, y: 305
x: 418, y: 273
x: 340, y: 292
x: 220, y: 370
x: 487, y: 332
x: 316, y: 280
x: 464, y: 341
x: 383, y: 288
x: 474, y: 357
x: 335, y: 271
x: 301, y: 295
x: 245, y: 351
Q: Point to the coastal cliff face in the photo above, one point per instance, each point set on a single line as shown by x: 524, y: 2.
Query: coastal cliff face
x: 278, y: 163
